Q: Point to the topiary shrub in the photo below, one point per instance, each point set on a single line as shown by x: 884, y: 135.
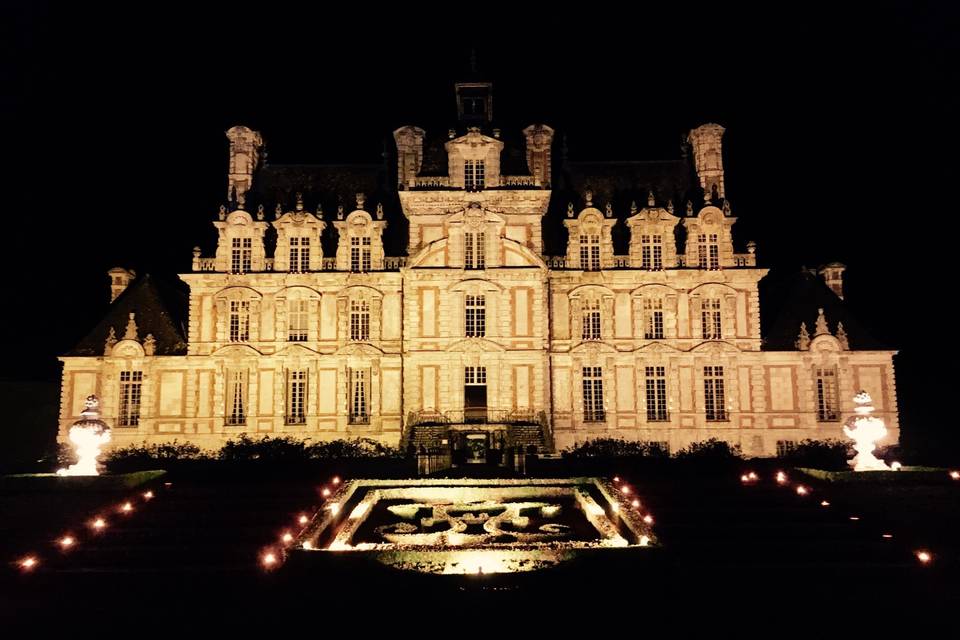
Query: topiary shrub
x: 152, y: 456
x: 830, y: 454
x: 264, y: 450
x: 606, y: 448
x: 352, y: 449
x: 713, y: 450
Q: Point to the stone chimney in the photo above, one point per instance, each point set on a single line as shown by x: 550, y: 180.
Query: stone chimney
x: 708, y: 158
x: 120, y: 279
x: 409, y: 141
x: 539, y: 138
x: 832, y: 274
x: 245, y: 147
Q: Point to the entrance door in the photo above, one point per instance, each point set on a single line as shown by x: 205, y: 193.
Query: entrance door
x: 476, y: 448
x: 475, y: 394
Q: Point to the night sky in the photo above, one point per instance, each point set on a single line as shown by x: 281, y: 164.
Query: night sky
x: 838, y: 143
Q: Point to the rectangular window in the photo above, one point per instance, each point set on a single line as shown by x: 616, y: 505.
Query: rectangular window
x: 656, y: 388
x: 474, y: 174
x: 130, y: 392
x: 299, y: 255
x: 651, y: 251
x: 474, y: 250
x: 241, y: 250
x: 476, y: 316
x: 475, y: 376
x: 593, y: 395
x: 713, y: 394
x: 296, y: 396
x: 359, y: 320
x: 708, y: 251
x: 590, y: 252
x: 591, y: 320
x: 711, y: 319
x: 298, y: 319
x: 360, y: 254
x: 653, y: 319
x: 828, y: 408
x: 239, y: 321
x: 236, y: 413
x: 359, y: 397
x: 785, y: 447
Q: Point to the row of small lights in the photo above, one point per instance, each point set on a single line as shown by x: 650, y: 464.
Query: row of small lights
x: 625, y: 489
x: 922, y: 555
x: 271, y: 558
x: 97, y: 524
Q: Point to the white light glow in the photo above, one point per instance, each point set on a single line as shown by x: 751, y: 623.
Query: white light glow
x: 87, y: 435
x: 269, y: 559
x: 625, y: 489
x: 127, y: 507
x: 307, y: 544
x: 644, y: 541
x: 66, y: 542
x: 99, y: 523
x: 635, y: 504
x: 802, y: 490
x: 648, y: 519
x: 148, y: 495
x: 28, y: 563
x: 824, y: 503
x: 752, y: 475
x: 616, y: 478
x: 303, y: 519
x: 336, y: 480
x: 325, y: 492
x: 896, y: 466
x: 924, y: 557
x: 854, y: 518
x: 887, y: 535
x: 781, y: 477
x: 334, y: 508
x: 955, y: 475
x: 866, y: 432
x: 287, y: 537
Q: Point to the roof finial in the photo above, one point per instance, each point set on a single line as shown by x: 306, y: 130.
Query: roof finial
x: 339, y: 212
x: 111, y: 340
x: 726, y: 207
x: 821, y: 327
x: 260, y: 212
x: 149, y: 345
x: 319, y: 211
x: 609, y: 209
x: 803, y: 340
x: 588, y: 196
x: 689, y: 208
x: 379, y: 211
x: 569, y: 209
x: 633, y: 207
x: 277, y: 211
x: 842, y: 337
x: 651, y: 201
x: 131, y: 332
x: 361, y: 198
x: 670, y: 205
x: 299, y: 201
x: 223, y: 212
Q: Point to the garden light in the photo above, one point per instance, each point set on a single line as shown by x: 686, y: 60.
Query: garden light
x: 887, y: 535
x: 625, y: 489
x: 127, y: 507
x: 307, y: 544
x: 336, y: 480
x: 287, y: 538
x: 99, y: 524
x: 269, y: 559
x: 924, y: 557
x: 648, y: 519
x: 802, y: 490
x: 325, y: 492
x: 616, y: 478
x: 148, y: 495
x: 66, y: 542
x: 854, y: 518
x: 28, y: 563
x: 824, y: 503
x: 635, y: 504
x: 752, y: 475
x: 781, y: 477
x: 955, y: 475
x: 303, y: 519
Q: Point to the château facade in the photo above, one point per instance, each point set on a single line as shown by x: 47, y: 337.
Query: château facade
x: 477, y: 285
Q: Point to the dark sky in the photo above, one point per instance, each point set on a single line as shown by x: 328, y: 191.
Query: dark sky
x: 838, y: 144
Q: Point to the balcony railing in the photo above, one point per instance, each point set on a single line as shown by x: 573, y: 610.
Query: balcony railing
x: 432, y: 182
x: 519, y: 181
x: 474, y: 415
x: 744, y: 260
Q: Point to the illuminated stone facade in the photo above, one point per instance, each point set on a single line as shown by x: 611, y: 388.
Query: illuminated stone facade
x: 304, y: 325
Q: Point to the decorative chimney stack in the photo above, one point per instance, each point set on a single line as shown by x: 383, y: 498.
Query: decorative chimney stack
x: 708, y: 159
x: 539, y: 139
x: 245, y: 147
x: 120, y: 279
x: 832, y: 274
x: 409, y: 141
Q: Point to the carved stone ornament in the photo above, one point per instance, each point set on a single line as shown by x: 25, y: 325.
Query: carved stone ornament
x: 149, y: 345
x: 131, y: 331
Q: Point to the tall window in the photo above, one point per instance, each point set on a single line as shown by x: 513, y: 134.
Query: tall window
x: 130, y: 391
x: 298, y: 319
x: 476, y: 316
x: 708, y: 251
x: 473, y: 174
x: 827, y: 406
x: 241, y: 251
x: 239, y: 321
x: 299, y: 255
x: 359, y: 397
x: 651, y: 252
x: 360, y: 254
x: 296, y: 396
x: 656, y: 394
x: 714, y: 401
x: 591, y: 320
x: 590, y: 252
x: 474, y: 251
x: 236, y: 397
x: 359, y: 320
x: 593, y: 395
x: 653, y: 319
x: 711, y: 319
